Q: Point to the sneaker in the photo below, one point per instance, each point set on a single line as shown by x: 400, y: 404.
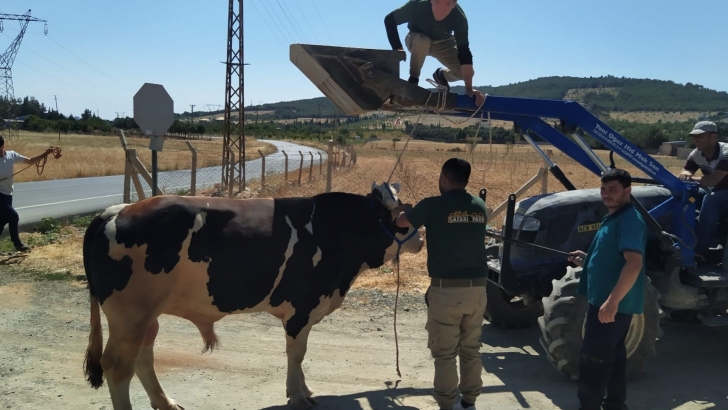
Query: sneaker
x: 21, y: 247
x: 413, y: 80
x: 459, y: 406
x: 439, y: 77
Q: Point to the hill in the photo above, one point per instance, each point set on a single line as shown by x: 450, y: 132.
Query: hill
x: 599, y: 94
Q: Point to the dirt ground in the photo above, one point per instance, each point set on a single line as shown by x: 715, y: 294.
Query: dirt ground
x: 350, y: 362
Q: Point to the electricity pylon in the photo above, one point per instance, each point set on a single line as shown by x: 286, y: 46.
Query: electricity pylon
x: 233, y: 147
x: 7, y: 96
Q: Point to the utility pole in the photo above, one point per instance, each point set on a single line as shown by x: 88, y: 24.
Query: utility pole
x: 58, y: 119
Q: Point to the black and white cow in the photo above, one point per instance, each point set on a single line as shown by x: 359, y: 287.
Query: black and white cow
x: 205, y: 258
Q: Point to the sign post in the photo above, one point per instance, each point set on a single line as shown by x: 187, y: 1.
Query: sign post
x: 154, y: 114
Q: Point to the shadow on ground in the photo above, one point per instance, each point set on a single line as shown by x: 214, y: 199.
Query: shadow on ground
x: 388, y: 398
x: 688, y: 372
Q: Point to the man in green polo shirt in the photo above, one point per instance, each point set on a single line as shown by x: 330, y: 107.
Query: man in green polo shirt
x: 613, y: 280
x: 431, y: 25
x: 457, y: 264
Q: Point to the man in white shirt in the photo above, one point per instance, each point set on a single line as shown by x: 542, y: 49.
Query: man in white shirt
x: 8, y: 215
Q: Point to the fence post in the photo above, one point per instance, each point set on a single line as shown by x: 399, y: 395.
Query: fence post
x: 300, y: 169
x: 545, y: 180
x: 232, y: 175
x: 286, y: 155
x: 321, y: 163
x: 127, y: 168
x: 122, y: 138
x: 127, y: 177
x: 193, y: 176
x: 262, y: 169
x: 329, y: 165
x: 132, y: 155
x: 310, y: 167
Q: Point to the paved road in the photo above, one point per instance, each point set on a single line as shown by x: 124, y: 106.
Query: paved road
x: 58, y: 198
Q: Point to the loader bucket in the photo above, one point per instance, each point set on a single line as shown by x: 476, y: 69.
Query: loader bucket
x: 344, y: 74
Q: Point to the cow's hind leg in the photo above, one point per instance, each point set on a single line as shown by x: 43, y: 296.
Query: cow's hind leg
x: 147, y: 375
x: 119, y: 359
x: 296, y: 390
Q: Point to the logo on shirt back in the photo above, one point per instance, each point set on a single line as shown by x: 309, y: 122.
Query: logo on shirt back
x: 460, y: 217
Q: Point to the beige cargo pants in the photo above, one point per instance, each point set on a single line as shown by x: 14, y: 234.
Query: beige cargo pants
x: 445, y: 51
x: 454, y: 325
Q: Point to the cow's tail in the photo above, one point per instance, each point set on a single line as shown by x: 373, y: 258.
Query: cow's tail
x: 92, y: 364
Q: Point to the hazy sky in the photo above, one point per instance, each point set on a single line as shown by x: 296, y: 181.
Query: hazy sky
x: 98, y: 53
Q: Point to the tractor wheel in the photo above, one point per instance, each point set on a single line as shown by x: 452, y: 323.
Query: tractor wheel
x: 509, y: 311
x: 562, y: 326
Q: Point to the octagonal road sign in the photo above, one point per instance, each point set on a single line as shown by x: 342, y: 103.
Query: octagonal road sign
x: 154, y: 113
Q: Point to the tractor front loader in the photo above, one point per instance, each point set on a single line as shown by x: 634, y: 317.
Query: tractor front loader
x: 530, y: 280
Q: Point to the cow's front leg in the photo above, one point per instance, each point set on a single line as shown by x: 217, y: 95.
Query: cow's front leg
x: 297, y: 392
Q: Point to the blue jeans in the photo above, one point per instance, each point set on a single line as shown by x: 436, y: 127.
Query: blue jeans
x: 9, y: 216
x: 713, y: 209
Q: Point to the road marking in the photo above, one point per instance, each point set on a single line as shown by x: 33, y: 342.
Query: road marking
x: 50, y: 186
x: 66, y: 202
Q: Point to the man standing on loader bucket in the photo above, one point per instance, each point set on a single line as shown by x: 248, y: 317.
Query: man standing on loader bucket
x: 710, y: 157
x: 431, y: 27
x: 458, y: 267
x: 613, y: 279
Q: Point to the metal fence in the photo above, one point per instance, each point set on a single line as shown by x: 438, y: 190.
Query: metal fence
x: 189, y: 172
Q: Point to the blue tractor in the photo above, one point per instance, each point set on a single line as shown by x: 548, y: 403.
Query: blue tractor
x: 530, y: 280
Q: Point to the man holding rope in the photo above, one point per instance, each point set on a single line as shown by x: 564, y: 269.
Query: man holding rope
x: 457, y: 264
x: 8, y: 215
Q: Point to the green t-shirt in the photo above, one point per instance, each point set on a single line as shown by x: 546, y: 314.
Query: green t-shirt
x: 455, y: 224
x: 418, y: 15
x: 625, y: 230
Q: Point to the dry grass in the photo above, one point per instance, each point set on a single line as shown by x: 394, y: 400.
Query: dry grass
x: 502, y: 173
x: 90, y: 156
x: 651, y: 117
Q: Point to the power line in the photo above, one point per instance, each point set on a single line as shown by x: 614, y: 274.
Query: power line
x: 58, y: 65
x: 279, y: 19
x: 306, y: 19
x: 289, y: 20
x: 85, y: 62
x: 323, y: 23
x: 295, y: 21
x: 266, y: 23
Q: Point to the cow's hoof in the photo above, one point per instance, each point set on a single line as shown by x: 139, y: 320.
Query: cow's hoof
x: 302, y: 403
x: 172, y: 405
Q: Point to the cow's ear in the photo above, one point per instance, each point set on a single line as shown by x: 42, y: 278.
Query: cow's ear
x: 397, y: 187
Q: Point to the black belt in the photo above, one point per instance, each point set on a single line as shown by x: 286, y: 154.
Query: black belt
x: 458, y: 283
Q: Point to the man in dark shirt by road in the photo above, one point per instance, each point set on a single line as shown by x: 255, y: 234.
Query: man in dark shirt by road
x: 613, y: 280
x: 431, y: 27
x: 457, y: 264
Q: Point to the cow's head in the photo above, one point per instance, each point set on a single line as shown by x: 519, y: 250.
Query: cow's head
x: 387, y: 204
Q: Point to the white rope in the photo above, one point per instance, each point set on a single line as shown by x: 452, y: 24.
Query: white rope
x: 409, y: 137
x: 490, y: 132
x: 441, y: 100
